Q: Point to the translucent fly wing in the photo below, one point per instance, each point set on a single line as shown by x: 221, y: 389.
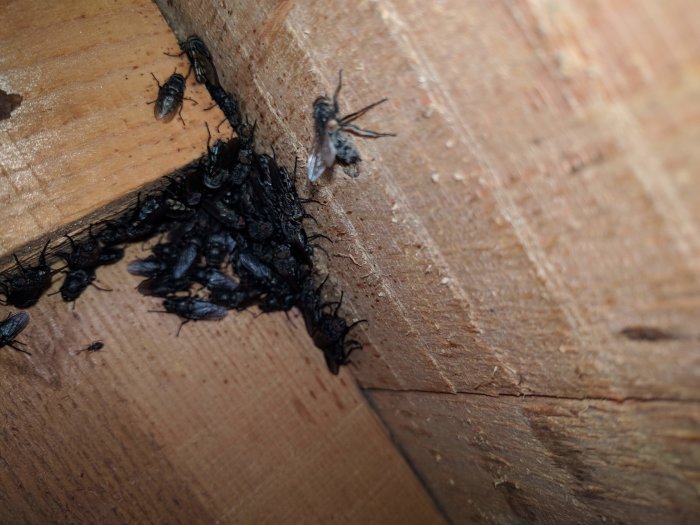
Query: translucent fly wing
x: 322, y: 157
x: 314, y: 167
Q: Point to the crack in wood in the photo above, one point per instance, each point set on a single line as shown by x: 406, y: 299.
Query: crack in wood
x: 620, y: 400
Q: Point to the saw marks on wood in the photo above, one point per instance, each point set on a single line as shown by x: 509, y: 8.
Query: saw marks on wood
x: 537, y: 208
x: 235, y: 421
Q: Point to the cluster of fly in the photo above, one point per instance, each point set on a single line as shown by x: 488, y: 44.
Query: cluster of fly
x: 232, y: 233
x: 230, y: 225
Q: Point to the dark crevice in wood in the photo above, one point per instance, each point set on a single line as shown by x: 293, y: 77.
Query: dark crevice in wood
x: 620, y: 400
x: 399, y: 446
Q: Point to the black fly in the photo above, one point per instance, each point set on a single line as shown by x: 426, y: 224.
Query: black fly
x: 218, y: 247
x: 149, y: 267
x: 214, y: 280
x: 193, y: 309
x: 170, y: 97
x: 10, y: 329
x: 331, y: 138
x: 214, y: 174
x: 24, y: 288
x: 200, y: 57
x: 228, y: 105
x: 90, y: 253
x: 76, y: 282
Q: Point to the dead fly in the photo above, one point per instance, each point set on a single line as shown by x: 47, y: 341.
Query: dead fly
x: 148, y: 267
x: 331, y: 134
x: 170, y: 97
x: 89, y: 253
x: 214, y: 174
x: 24, y: 288
x: 76, y: 282
x: 327, y: 329
x: 10, y: 329
x: 228, y: 104
x: 214, y: 280
x: 200, y: 57
x: 192, y: 309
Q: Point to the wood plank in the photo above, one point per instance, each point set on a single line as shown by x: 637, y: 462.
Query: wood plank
x: 547, y: 460
x: 537, y: 244
x: 84, y: 136
x: 537, y: 202
x: 236, y: 421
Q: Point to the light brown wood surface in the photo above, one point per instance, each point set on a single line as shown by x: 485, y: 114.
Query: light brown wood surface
x: 84, y: 136
x: 540, y: 202
x: 236, y: 421
x: 231, y: 422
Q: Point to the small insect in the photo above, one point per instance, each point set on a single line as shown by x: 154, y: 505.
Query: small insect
x: 219, y: 246
x: 331, y: 134
x: 149, y: 267
x: 95, y: 346
x: 24, y: 288
x: 327, y: 329
x: 89, y: 253
x: 85, y: 254
x: 163, y: 285
x: 250, y: 265
x: 170, y: 97
x: 186, y: 258
x: 239, y: 299
x: 10, y: 329
x: 329, y: 333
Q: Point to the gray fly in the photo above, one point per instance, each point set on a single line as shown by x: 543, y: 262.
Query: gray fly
x: 332, y: 141
x: 170, y: 97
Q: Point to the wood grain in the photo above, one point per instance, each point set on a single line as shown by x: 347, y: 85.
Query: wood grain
x: 535, y: 460
x: 231, y: 422
x: 235, y: 421
x: 84, y: 136
x: 538, y: 203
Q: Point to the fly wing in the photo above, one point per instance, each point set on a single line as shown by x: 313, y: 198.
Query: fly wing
x: 16, y: 323
x: 322, y: 157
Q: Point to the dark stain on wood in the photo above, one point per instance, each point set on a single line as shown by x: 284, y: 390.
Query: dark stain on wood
x: 647, y: 333
x: 8, y: 103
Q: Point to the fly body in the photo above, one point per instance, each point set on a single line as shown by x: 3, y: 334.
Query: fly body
x: 332, y: 141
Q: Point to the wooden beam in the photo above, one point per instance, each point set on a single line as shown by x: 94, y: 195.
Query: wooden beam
x: 236, y: 421
x: 545, y: 460
x: 536, y: 211
x: 232, y: 421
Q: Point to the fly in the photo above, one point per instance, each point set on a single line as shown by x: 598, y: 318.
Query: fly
x: 200, y: 57
x: 170, y: 97
x: 332, y: 141
x: 10, y: 329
